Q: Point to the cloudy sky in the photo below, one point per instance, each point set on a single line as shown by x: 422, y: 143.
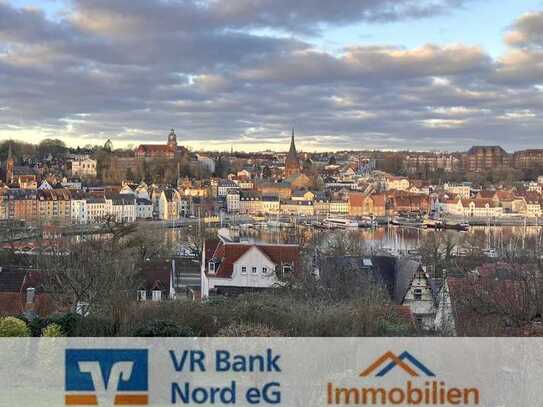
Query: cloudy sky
x: 349, y: 74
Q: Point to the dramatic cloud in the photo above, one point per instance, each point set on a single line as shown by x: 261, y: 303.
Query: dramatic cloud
x: 371, y: 64
x: 244, y: 71
x: 307, y: 16
x: 527, y: 31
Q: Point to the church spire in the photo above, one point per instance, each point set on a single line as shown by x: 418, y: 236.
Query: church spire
x: 292, y: 163
x: 292, y: 145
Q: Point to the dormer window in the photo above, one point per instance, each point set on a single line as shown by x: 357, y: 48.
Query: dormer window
x: 287, y: 268
x: 211, y: 267
x: 142, y: 295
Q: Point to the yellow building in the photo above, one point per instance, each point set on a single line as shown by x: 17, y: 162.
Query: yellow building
x: 297, y: 208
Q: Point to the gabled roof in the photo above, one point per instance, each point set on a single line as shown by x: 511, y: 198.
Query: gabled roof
x: 395, y: 274
x: 405, y: 272
x: 170, y: 194
x: 356, y: 199
x: 157, y: 275
x: 225, y: 254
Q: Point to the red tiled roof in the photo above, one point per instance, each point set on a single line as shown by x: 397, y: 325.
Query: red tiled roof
x: 229, y: 253
x: 13, y: 286
x: 356, y: 199
x: 483, y: 303
x: 487, y: 194
x: 154, y: 148
x: 504, y: 196
x: 378, y: 200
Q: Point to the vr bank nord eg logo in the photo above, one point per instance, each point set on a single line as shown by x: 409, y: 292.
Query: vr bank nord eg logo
x: 106, y: 377
x: 419, y: 388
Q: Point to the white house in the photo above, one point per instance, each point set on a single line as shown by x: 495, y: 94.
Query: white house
x: 462, y: 190
x: 225, y: 187
x: 97, y: 209
x: 479, y: 207
x: 142, y: 191
x: 144, y: 208
x: 232, y: 202
x: 230, y: 268
x: 79, y: 208
x: 123, y: 208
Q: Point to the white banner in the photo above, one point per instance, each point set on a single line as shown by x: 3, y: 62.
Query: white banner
x: 271, y: 372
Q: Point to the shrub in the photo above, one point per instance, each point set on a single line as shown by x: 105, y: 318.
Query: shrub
x: 37, y: 325
x: 162, y: 328
x: 248, y: 330
x: 13, y: 327
x: 69, y: 323
x: 52, y: 331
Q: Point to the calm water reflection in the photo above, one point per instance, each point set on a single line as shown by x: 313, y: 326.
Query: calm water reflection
x: 387, y: 237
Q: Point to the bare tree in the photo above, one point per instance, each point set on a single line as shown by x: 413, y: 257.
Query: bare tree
x: 437, y: 251
x: 88, y: 274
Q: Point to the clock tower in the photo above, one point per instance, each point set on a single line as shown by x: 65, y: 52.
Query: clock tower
x: 172, y: 141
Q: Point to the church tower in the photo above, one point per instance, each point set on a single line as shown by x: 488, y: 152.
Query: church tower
x: 10, y: 166
x: 292, y: 163
x: 172, y: 141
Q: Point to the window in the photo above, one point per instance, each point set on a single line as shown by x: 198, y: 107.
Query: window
x: 30, y: 295
x: 142, y: 295
x: 418, y: 293
x: 254, y: 270
x: 264, y: 270
x: 287, y: 268
x: 244, y: 270
x: 211, y: 267
x: 157, y: 295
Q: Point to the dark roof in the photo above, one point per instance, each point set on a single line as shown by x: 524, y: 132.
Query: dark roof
x: 123, y: 199
x: 157, y: 275
x: 396, y: 274
x: 405, y: 272
x: 270, y: 198
x: 12, y: 279
x: 22, y: 170
x: 96, y: 200
x: 16, y: 279
x: 188, y: 272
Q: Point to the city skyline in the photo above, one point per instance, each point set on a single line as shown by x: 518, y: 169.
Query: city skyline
x: 375, y: 75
